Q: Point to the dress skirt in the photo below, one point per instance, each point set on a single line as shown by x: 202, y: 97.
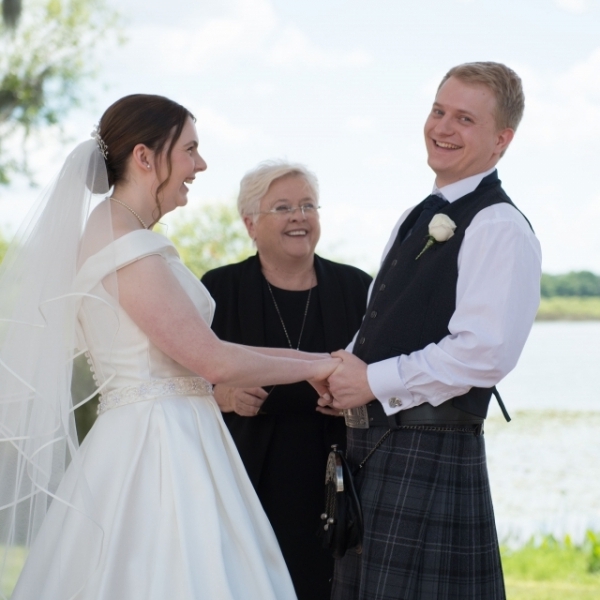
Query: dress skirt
x: 430, y: 532
x: 170, y: 514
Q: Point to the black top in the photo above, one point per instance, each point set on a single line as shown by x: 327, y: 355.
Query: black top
x: 244, y: 305
x: 285, y: 450
x: 296, y: 397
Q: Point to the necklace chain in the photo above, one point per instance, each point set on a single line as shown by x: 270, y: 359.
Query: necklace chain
x: 281, y: 318
x: 130, y: 210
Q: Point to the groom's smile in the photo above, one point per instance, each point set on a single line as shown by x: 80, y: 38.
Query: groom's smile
x: 461, y: 134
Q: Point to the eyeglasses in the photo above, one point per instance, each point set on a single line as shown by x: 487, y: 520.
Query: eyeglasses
x: 283, y: 210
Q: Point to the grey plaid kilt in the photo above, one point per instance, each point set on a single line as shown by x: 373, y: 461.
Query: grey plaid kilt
x: 429, y: 523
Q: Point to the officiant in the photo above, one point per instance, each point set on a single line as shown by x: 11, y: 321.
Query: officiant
x: 286, y: 296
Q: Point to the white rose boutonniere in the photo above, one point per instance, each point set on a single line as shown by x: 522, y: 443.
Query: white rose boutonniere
x: 441, y: 229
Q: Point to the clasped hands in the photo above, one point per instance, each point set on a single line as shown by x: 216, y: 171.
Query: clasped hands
x: 346, y: 386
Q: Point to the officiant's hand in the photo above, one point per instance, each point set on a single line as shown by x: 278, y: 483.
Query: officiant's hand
x: 246, y: 402
x: 348, y: 384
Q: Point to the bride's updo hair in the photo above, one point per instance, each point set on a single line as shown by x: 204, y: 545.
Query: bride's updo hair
x: 154, y: 121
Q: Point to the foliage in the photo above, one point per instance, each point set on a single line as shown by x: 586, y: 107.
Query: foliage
x: 14, y: 563
x: 11, y: 11
x: 42, y: 64
x: 556, y: 590
x: 207, y: 238
x: 549, y: 569
x: 210, y: 237
x: 83, y: 386
x: 546, y: 569
x: 564, y: 308
x: 3, y: 244
x: 594, y: 552
x: 575, y: 283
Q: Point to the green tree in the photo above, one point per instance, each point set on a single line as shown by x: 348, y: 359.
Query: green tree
x: 42, y: 65
x: 11, y: 11
x: 211, y: 237
x: 575, y: 283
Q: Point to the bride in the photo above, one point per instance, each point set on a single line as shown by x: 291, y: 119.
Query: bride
x: 156, y: 503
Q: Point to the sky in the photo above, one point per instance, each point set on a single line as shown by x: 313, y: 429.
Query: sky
x: 345, y: 86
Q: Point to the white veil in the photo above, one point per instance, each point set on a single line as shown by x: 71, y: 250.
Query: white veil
x: 39, y: 340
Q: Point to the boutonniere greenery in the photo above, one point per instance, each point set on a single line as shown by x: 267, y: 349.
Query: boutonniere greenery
x: 441, y: 229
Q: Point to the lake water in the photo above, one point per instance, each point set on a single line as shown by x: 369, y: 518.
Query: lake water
x: 545, y: 464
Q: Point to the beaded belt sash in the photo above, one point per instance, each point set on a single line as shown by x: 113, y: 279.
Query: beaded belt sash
x: 153, y: 388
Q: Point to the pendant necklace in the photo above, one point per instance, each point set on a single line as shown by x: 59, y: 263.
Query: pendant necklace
x: 130, y: 210
x: 281, y: 318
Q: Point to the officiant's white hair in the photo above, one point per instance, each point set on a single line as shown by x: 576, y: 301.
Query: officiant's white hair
x: 256, y: 183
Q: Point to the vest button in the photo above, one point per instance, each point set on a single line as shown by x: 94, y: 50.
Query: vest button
x: 362, y: 340
x: 373, y: 314
x: 382, y: 287
x: 394, y: 262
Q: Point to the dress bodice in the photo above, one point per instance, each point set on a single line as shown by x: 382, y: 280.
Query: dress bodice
x: 119, y: 352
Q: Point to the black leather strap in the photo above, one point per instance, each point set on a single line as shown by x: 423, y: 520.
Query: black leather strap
x: 424, y: 414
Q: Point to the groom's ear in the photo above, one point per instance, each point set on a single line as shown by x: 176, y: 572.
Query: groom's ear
x: 503, y: 139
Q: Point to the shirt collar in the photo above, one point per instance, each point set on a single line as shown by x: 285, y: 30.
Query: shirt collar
x: 461, y: 188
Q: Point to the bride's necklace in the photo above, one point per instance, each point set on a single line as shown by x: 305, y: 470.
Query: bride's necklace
x: 130, y: 210
x: 281, y: 318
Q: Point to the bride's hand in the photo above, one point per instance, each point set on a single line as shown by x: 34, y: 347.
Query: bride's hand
x: 322, y: 369
x: 319, y: 355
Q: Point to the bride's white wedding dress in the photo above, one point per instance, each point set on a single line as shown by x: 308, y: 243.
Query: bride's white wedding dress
x: 173, y: 513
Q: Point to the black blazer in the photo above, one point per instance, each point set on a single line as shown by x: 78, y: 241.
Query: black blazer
x: 237, y: 290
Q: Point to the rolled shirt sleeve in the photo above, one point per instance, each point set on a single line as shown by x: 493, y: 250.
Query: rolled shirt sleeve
x: 498, y: 294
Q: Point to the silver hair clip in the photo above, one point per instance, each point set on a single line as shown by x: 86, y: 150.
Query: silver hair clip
x: 101, y: 144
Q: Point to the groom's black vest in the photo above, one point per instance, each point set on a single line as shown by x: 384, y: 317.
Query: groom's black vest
x: 412, y: 301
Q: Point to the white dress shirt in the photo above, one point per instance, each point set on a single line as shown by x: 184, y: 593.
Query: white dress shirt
x: 497, y: 297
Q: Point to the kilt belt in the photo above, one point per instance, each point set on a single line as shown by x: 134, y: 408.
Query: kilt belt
x: 373, y: 415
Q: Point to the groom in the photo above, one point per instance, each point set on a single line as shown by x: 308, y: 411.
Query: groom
x: 445, y: 322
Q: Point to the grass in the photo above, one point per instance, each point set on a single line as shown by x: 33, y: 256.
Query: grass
x: 537, y: 590
x: 553, y: 570
x: 545, y: 569
x: 14, y: 564
x: 569, y: 308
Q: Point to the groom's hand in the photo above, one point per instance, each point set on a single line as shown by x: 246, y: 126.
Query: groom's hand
x: 246, y: 402
x: 348, y: 384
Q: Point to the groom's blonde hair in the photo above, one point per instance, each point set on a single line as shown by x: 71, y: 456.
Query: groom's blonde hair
x: 505, y: 84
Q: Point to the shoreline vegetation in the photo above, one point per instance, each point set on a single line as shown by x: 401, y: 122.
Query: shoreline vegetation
x: 573, y: 296
x: 551, y: 569
x: 216, y: 237
x: 569, y: 308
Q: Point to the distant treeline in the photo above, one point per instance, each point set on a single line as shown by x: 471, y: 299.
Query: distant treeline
x: 575, y: 283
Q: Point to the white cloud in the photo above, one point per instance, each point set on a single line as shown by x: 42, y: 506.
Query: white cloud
x: 565, y: 108
x: 251, y: 29
x: 293, y: 48
x: 361, y: 124
x: 221, y: 129
x: 575, y: 6
x: 567, y: 231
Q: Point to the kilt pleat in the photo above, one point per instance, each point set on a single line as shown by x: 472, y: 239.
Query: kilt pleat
x: 429, y: 522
